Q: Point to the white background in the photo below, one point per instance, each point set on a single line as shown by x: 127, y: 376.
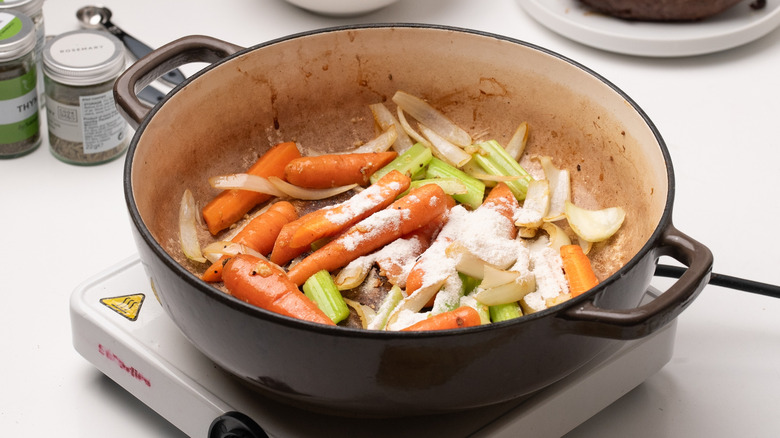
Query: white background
x: 719, y: 114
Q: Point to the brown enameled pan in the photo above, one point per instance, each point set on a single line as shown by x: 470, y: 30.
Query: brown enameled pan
x: 314, y: 88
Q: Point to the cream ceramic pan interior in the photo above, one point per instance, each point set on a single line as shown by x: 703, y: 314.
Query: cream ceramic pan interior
x: 315, y: 89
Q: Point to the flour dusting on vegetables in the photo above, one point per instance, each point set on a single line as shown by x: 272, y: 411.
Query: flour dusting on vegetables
x: 439, y: 231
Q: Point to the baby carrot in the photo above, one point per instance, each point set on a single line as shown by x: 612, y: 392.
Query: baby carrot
x: 259, y: 234
x: 390, y: 266
x: 333, y: 170
x: 502, y: 200
x: 579, y: 272
x: 463, y: 316
x: 342, y: 216
x: 499, y: 199
x: 264, y: 284
x: 231, y: 205
x: 297, y: 236
x: 403, y: 216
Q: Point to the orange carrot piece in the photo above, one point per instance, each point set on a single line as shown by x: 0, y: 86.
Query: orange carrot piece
x: 214, y: 273
x: 297, y: 236
x: 403, y: 216
x: 259, y: 234
x: 333, y: 170
x: 463, y: 316
x: 502, y: 200
x: 264, y: 284
x: 231, y: 205
x: 578, y: 270
x: 348, y: 213
x: 282, y: 252
x: 389, y: 266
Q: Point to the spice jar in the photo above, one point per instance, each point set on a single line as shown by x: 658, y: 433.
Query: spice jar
x: 34, y: 10
x: 80, y: 68
x: 19, y: 118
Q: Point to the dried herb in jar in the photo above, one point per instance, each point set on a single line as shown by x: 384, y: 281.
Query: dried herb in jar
x: 80, y: 68
x: 19, y: 118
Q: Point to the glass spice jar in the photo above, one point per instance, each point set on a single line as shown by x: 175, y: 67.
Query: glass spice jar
x: 80, y: 69
x: 34, y: 10
x: 19, y: 117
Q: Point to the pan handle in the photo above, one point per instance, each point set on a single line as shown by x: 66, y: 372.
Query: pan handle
x: 639, y: 322
x: 193, y: 48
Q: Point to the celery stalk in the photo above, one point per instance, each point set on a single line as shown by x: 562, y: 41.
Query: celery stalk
x: 496, y: 161
x: 504, y: 312
x: 321, y: 289
x: 475, y: 189
x: 409, y: 163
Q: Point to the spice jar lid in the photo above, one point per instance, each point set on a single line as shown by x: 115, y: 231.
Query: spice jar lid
x: 27, y: 7
x: 17, y: 35
x: 83, y: 57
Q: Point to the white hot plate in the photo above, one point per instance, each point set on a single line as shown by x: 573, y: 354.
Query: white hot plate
x: 739, y: 25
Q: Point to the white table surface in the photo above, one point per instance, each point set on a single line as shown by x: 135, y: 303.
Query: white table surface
x: 719, y: 114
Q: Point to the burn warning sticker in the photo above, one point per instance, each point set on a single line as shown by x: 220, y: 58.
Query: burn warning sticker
x: 129, y: 306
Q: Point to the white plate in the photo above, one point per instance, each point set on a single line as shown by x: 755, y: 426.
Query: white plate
x: 734, y: 27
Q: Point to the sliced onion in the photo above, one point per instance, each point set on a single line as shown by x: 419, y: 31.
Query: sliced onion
x: 536, y: 204
x: 443, y: 149
x: 507, y: 293
x: 188, y: 231
x: 594, y: 225
x: 414, y: 302
x: 585, y: 245
x: 380, y: 143
x: 431, y: 117
x: 558, y: 237
x: 468, y: 263
x: 516, y: 145
x: 297, y: 192
x: 496, y: 277
x: 245, y: 181
x: 410, y: 131
x: 365, y: 313
x: 352, y: 275
x: 215, y: 250
x: 560, y: 188
x: 385, y: 119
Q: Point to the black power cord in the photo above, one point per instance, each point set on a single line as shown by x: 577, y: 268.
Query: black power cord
x: 728, y: 281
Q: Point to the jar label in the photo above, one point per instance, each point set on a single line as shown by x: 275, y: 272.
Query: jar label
x: 10, y: 25
x: 18, y: 108
x: 95, y: 122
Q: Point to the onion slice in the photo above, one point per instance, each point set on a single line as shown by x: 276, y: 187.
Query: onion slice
x: 444, y: 149
x: 245, y: 181
x: 516, y: 145
x: 385, y: 119
x: 380, y: 143
x: 560, y: 189
x: 431, y: 117
x: 558, y: 237
x: 188, y: 231
x: 535, y: 206
x: 297, y: 192
x: 410, y: 131
x: 365, y: 313
x: 352, y: 275
x: 594, y: 225
x: 506, y: 293
x: 215, y: 250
